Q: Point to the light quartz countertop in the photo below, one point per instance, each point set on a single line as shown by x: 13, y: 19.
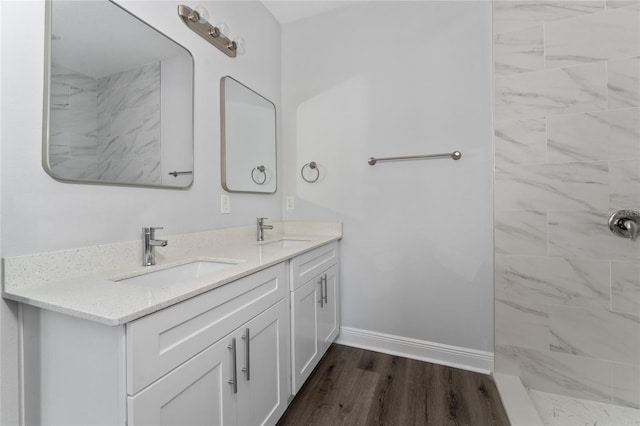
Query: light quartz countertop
x: 81, y: 282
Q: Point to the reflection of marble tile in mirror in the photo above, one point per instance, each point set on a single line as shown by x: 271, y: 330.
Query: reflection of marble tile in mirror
x: 248, y: 139
x: 120, y: 102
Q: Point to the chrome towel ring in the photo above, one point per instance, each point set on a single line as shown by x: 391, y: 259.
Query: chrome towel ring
x: 261, y: 170
x: 313, y: 166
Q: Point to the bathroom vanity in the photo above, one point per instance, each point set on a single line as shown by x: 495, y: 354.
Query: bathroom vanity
x: 120, y: 349
x: 208, y: 328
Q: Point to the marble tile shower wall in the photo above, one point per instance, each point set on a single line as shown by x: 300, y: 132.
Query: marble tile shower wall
x: 567, y: 153
x: 129, y: 126
x: 73, y: 140
x: 109, y: 128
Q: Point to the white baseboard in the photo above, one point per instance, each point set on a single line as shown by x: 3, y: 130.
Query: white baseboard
x: 437, y: 353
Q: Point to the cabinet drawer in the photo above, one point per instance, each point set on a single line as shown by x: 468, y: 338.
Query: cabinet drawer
x: 308, y: 265
x: 160, y: 342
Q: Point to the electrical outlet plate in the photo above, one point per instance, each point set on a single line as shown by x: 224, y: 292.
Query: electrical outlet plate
x: 225, y: 204
x: 291, y: 203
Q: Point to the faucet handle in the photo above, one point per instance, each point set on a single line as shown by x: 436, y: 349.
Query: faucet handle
x: 151, y: 230
x: 632, y: 228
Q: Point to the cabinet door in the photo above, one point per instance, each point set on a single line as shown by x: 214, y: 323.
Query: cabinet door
x: 305, y: 352
x: 263, y: 367
x: 328, y: 315
x: 196, y: 393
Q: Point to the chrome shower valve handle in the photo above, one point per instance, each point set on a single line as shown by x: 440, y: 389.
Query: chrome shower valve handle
x: 624, y: 223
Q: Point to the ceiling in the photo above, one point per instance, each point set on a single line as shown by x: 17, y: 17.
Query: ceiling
x: 293, y: 10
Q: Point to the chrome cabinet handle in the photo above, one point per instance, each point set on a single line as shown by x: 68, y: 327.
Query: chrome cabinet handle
x: 321, y: 302
x: 247, y: 342
x: 234, y: 381
x: 624, y: 224
x: 326, y: 300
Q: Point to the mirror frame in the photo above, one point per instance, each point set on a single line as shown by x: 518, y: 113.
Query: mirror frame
x: 46, y: 116
x: 223, y: 138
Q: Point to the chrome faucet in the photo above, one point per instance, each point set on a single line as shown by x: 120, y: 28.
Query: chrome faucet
x: 262, y: 227
x: 149, y: 243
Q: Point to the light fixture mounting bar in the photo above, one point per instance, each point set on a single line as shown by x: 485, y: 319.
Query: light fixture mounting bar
x: 212, y: 34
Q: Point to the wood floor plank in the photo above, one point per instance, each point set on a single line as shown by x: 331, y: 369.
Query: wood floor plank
x: 309, y: 401
x: 352, y: 404
x: 357, y: 387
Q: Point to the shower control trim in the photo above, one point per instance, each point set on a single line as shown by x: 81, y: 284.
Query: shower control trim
x: 625, y: 223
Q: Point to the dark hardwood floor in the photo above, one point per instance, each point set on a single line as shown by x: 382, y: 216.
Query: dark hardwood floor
x: 353, y: 386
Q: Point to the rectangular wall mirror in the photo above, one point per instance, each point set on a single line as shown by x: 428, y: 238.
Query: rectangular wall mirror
x: 118, y: 99
x: 248, y: 122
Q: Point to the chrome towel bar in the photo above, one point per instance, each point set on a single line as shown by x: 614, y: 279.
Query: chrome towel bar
x: 175, y: 173
x: 455, y: 155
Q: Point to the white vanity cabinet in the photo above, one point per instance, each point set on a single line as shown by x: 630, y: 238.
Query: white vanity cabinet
x: 315, y: 315
x: 233, y: 355
x: 240, y: 380
x: 176, y: 366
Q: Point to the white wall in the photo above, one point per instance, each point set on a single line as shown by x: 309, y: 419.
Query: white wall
x: 9, y: 378
x: 41, y: 214
x: 388, y: 79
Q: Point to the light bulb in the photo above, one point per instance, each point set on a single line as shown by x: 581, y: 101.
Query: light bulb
x: 203, y: 14
x: 241, y: 46
x: 223, y: 28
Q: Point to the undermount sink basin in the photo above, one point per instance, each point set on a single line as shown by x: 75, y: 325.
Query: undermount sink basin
x: 285, y: 243
x: 177, y: 274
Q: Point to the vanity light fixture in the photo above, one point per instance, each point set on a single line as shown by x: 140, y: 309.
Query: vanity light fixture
x: 203, y: 14
x: 196, y: 19
x: 224, y: 28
